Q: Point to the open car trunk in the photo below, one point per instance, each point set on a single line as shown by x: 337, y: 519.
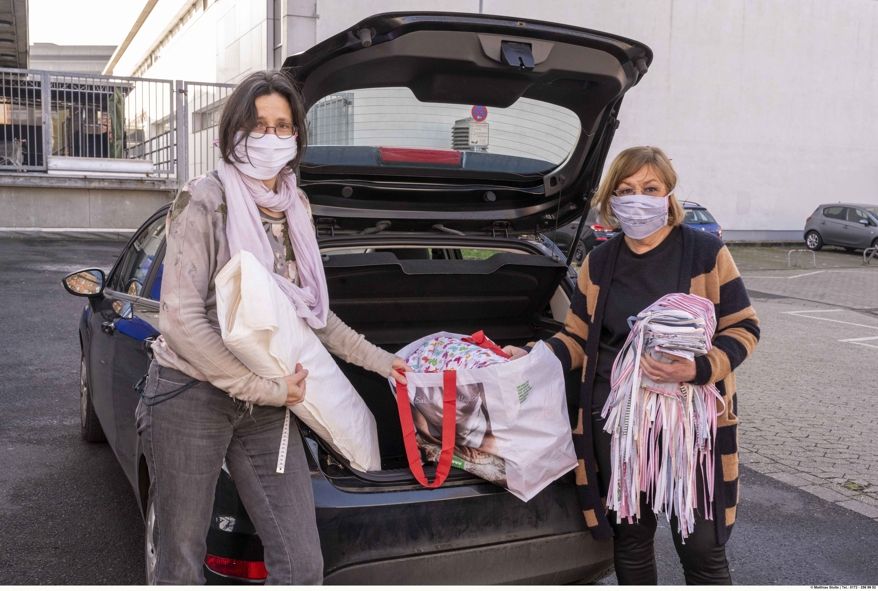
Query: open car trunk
x: 394, y: 302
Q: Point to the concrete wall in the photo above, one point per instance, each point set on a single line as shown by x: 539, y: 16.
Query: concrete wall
x: 42, y: 202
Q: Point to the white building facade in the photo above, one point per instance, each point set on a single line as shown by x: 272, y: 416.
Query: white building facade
x: 767, y: 107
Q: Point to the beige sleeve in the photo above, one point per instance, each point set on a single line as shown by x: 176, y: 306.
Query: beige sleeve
x: 346, y: 343
x: 190, y: 258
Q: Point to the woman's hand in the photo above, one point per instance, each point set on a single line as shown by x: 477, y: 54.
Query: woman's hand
x: 676, y: 371
x: 398, y: 369
x: 296, y: 385
x: 514, y: 352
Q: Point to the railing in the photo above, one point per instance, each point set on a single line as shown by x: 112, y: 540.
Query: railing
x: 21, y: 121
x: 55, y: 122
x: 199, y: 106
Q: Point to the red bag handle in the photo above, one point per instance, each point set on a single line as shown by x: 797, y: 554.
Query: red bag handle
x: 479, y: 338
x: 449, y: 418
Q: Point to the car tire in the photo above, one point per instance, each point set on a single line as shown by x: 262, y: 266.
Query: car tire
x: 875, y: 243
x: 150, y: 542
x: 561, y: 239
x: 580, y: 253
x: 813, y: 240
x: 89, y: 427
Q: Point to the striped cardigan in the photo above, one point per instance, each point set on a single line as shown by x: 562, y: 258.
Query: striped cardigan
x: 707, y: 270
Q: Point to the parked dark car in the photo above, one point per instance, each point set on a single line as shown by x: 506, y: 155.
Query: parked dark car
x: 414, y: 240
x: 850, y: 225
x: 698, y: 218
x: 593, y: 234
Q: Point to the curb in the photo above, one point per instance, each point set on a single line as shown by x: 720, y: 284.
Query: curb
x: 111, y: 234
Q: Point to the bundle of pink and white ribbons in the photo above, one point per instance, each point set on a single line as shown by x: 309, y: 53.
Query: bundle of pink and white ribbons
x: 663, y: 434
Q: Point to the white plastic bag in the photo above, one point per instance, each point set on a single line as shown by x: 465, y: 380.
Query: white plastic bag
x: 516, y: 411
x: 260, y: 326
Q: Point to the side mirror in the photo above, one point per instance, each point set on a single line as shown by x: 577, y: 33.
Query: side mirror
x: 865, y: 222
x: 86, y: 283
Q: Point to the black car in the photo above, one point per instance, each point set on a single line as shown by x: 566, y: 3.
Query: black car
x: 416, y: 237
x: 593, y: 234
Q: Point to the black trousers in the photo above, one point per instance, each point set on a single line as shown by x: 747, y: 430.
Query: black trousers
x: 704, y: 561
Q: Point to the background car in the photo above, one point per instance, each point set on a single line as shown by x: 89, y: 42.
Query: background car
x: 698, y: 218
x: 849, y: 225
x: 593, y: 234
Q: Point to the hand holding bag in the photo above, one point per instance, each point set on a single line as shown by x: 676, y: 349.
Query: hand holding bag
x: 260, y: 326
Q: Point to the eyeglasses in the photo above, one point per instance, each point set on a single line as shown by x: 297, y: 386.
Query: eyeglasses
x: 283, y: 131
x: 650, y: 191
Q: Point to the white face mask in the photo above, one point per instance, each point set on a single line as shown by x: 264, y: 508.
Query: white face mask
x: 640, y: 215
x: 265, y: 157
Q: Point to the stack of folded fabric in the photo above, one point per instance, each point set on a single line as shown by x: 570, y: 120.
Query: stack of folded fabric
x: 663, y: 434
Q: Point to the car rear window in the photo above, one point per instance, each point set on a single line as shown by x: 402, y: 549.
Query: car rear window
x: 389, y: 127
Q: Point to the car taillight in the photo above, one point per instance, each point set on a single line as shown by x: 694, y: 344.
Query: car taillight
x: 419, y: 156
x: 600, y: 228
x: 241, y: 569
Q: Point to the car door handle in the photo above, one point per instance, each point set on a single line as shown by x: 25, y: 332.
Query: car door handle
x: 108, y: 326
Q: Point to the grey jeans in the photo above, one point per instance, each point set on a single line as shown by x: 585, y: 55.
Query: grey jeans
x: 185, y: 439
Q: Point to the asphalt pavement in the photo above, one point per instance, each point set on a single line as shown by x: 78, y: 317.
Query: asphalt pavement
x: 68, y: 516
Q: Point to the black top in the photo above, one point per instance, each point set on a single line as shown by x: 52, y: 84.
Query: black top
x: 638, y: 281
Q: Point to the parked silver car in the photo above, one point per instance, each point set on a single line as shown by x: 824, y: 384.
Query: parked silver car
x: 851, y: 225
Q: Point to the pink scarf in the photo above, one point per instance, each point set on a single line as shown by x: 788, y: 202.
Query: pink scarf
x: 245, y: 232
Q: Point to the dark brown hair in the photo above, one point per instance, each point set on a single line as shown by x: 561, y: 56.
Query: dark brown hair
x: 239, y: 112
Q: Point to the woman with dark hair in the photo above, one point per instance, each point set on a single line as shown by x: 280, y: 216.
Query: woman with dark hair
x: 654, y: 255
x: 201, y: 406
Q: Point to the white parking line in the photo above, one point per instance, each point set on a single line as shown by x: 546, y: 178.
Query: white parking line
x: 860, y: 342
x: 804, y: 274
x: 803, y: 315
x: 854, y: 341
x: 749, y: 276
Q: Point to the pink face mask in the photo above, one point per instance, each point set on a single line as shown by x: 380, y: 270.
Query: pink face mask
x: 263, y: 158
x: 640, y: 215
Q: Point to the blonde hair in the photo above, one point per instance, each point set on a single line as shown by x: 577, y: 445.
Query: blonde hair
x: 627, y: 163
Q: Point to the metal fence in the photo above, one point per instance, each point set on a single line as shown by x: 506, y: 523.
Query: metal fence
x: 199, y: 106
x: 56, y: 122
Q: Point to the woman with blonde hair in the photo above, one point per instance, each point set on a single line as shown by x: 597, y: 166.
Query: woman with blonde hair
x: 653, y: 256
